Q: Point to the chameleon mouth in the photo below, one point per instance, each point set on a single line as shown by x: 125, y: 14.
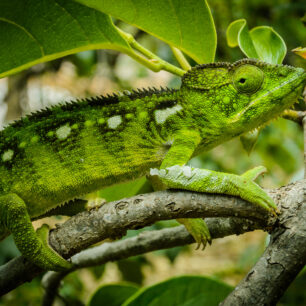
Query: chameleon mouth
x: 297, y: 80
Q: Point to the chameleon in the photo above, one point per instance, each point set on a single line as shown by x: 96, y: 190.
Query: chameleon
x: 64, y: 152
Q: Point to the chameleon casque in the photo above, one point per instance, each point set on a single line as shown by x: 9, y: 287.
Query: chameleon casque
x: 64, y: 152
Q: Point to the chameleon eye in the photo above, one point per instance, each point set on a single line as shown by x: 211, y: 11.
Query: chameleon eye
x: 248, y: 78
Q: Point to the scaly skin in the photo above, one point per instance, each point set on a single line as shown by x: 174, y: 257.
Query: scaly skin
x: 70, y: 150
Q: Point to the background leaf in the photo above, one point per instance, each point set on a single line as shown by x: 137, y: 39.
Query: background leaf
x: 126, y: 189
x: 232, y: 32
x: 248, y: 140
x: 269, y: 45
x: 112, y: 295
x: 261, y: 42
x: 185, y: 290
x: 238, y: 35
x: 33, y: 31
x: 187, y: 25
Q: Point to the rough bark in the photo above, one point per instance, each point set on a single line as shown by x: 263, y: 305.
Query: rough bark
x: 112, y: 220
x: 283, y: 259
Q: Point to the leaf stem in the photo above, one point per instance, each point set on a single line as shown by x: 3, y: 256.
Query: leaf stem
x: 151, y: 60
x: 181, y: 58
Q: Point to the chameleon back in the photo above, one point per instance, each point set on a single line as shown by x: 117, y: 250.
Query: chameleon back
x: 73, y: 149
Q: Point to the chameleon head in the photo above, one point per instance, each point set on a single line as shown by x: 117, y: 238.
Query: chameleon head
x: 235, y: 98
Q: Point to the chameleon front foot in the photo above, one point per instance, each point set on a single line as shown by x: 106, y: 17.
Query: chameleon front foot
x: 201, y: 180
x: 199, y: 231
x: 252, y: 192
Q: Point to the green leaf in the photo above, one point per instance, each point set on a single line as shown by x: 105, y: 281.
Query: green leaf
x: 97, y: 271
x: 249, y: 140
x: 232, y: 32
x: 34, y: 31
x: 187, y: 25
x: 125, y: 190
x: 112, y: 295
x: 269, y: 44
x: 184, y: 290
x: 132, y: 269
x: 261, y: 42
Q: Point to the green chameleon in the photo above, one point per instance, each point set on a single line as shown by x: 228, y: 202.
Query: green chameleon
x: 65, y: 152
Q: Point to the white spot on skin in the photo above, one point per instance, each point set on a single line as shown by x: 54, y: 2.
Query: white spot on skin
x: 7, y: 155
x: 154, y: 171
x: 114, y: 122
x: 63, y: 132
x: 168, y: 143
x: 187, y: 171
x: 161, y: 115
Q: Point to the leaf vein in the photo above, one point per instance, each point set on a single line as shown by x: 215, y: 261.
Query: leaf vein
x: 26, y: 31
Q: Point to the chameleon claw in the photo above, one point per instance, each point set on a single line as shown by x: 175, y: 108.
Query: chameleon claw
x: 199, y: 231
x: 276, y: 212
x: 203, y: 242
x: 252, y: 192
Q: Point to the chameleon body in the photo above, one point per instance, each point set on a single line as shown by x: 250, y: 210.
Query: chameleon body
x: 73, y: 149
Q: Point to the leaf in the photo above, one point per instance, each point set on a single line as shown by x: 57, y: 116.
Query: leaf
x: 125, y: 190
x: 300, y: 51
x: 269, y: 44
x: 187, y: 25
x: 33, y: 31
x: 232, y: 32
x: 184, y: 290
x: 132, y: 269
x: 249, y: 140
x: 97, y: 271
x: 112, y: 295
x: 261, y: 42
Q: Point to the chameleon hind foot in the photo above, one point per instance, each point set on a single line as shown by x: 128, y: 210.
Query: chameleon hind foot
x: 33, y: 245
x: 46, y: 257
x: 198, y: 230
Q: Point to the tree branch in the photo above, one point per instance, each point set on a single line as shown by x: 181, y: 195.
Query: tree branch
x: 145, y: 242
x: 284, y: 257
x: 113, y: 219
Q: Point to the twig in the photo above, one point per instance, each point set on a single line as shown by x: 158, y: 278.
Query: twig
x: 181, y: 58
x: 296, y: 116
x: 151, y: 60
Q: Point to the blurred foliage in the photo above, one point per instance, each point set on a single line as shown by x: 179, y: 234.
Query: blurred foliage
x: 279, y: 145
x: 112, y: 295
x: 295, y: 294
x: 25, y: 295
x: 184, y: 290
